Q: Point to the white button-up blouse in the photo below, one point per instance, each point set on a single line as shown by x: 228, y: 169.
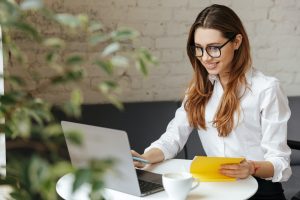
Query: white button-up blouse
x: 261, y: 132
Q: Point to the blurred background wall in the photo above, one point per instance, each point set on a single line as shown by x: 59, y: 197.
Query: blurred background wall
x: 273, y: 27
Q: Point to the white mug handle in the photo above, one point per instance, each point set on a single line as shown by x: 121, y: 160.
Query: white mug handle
x: 195, y: 180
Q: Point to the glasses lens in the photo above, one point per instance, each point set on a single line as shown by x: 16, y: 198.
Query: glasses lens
x: 197, y: 51
x: 213, y: 51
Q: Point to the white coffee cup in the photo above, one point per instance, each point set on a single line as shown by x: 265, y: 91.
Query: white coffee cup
x: 178, y: 185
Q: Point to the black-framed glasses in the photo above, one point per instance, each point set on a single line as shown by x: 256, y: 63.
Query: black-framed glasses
x: 213, y: 51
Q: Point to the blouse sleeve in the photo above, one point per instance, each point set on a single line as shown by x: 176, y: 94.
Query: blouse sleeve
x: 176, y: 135
x: 275, y: 113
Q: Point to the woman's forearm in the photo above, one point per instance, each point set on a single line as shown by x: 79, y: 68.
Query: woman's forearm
x: 263, y: 169
x: 154, y: 155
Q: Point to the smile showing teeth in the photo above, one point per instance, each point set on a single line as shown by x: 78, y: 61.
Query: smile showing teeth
x: 211, y: 65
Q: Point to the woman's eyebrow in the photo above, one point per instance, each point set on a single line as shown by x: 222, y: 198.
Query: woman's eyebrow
x: 209, y: 44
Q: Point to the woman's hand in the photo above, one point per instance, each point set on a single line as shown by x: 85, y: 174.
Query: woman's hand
x: 154, y: 155
x: 137, y: 163
x: 242, y: 170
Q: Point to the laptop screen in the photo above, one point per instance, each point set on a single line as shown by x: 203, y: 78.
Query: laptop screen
x: 103, y: 143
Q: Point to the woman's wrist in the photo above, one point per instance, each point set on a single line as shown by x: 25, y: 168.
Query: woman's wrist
x: 154, y: 155
x: 253, y: 168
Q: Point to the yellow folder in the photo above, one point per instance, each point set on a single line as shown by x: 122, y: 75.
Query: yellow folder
x: 207, y: 168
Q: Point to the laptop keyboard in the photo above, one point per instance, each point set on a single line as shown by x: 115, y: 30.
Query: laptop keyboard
x: 146, y: 186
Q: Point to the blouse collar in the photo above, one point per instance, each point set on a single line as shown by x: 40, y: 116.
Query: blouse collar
x: 212, y: 77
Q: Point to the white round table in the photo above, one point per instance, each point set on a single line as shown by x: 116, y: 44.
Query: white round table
x: 235, y: 190
x: 5, y: 191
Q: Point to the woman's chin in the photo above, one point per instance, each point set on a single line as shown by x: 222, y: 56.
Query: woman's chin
x: 213, y: 71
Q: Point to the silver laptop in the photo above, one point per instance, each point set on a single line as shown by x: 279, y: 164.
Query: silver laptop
x: 102, y: 143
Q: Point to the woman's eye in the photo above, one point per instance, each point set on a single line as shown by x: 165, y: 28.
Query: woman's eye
x: 213, y: 48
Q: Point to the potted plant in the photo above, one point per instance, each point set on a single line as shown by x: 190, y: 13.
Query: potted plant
x: 34, y: 137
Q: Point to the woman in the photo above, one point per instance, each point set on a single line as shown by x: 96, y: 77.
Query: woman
x: 238, y: 111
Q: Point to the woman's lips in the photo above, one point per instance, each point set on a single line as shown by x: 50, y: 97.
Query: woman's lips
x: 211, y: 66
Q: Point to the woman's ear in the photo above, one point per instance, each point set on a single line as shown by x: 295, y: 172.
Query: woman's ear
x: 238, y: 41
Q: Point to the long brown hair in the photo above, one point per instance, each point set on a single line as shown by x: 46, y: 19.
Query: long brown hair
x: 224, y: 19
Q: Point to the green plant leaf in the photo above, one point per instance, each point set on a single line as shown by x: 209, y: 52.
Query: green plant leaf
x: 75, y: 137
x: 11, y: 98
x: 141, y: 66
x: 69, y: 76
x: 124, y: 33
x: 61, y: 168
x: 51, y: 56
x: 9, y: 12
x: 54, y: 42
x: 68, y: 20
x: 73, y: 106
x: 14, y: 80
x: 111, y: 48
x: 17, y: 194
x: 76, y: 98
x: 81, y: 176
x: 83, y: 19
x: 31, y: 5
x: 148, y: 57
x: 23, y: 126
x: 35, y: 116
x: 38, y: 172
x: 97, y: 189
x: 107, y: 86
x: 98, y: 185
x: 53, y: 129
x: 40, y: 108
x: 106, y: 66
x: 74, y: 60
x: 98, y: 38
x: 30, y: 30
x: 114, y: 100
x: 102, y: 165
x: 95, y: 26
x: 119, y: 61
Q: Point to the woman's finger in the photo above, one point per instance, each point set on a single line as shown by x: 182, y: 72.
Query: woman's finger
x: 134, y: 153
x: 138, y: 164
x: 230, y: 166
x: 229, y: 172
x: 236, y: 172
